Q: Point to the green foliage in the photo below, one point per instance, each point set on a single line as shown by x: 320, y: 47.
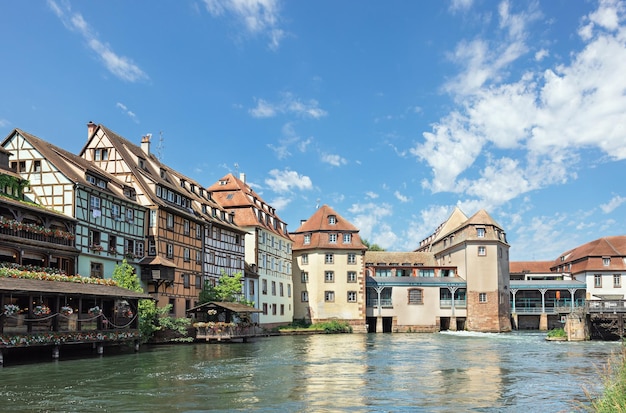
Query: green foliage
x: 334, y: 326
x: 372, y: 247
x: 228, y: 289
x: 557, y: 332
x: 613, y: 399
x: 151, y: 317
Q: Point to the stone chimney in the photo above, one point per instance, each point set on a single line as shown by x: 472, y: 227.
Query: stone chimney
x: 242, y: 177
x: 145, y: 143
x: 91, y: 127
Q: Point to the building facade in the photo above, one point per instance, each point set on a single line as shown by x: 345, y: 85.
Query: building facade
x: 191, y: 240
x: 109, y: 223
x: 268, y: 249
x: 328, y: 270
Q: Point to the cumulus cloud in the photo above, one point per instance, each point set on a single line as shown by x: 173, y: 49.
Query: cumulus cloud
x: 122, y: 67
x: 287, y: 180
x: 333, y: 159
x: 258, y: 17
x: 615, y: 202
x: 372, y: 221
x: 400, y: 197
x: 288, y: 104
x: 290, y: 139
x: 529, y: 133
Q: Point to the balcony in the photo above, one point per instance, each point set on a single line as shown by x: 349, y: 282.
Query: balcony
x: 443, y: 303
x: 384, y: 302
x: 50, y: 236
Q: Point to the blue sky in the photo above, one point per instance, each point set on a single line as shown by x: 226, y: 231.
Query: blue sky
x: 392, y: 113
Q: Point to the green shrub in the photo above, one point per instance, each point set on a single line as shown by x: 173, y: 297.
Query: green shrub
x: 557, y: 332
x: 613, y: 398
x: 333, y: 326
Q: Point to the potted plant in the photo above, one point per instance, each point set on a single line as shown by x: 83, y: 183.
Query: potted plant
x: 95, y: 311
x: 67, y: 310
x: 41, y: 310
x: 10, y: 309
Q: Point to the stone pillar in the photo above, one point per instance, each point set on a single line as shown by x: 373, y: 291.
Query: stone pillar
x: 543, y: 322
x: 452, y: 326
x: 55, y: 352
x: 515, y: 321
x: 379, y: 324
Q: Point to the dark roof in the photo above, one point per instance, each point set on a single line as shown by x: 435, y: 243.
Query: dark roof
x: 19, y: 285
x: 234, y: 307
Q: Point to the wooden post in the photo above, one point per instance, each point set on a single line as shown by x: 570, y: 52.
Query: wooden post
x: 55, y: 352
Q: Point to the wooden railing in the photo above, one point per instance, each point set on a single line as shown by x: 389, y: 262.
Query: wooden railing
x: 20, y: 233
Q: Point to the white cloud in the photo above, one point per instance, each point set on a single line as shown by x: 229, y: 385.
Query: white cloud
x: 288, y: 104
x: 257, y: 16
x: 371, y: 195
x: 4, y: 123
x: 460, y: 5
x: 400, y: 197
x: 529, y: 132
x: 129, y: 113
x: 120, y: 66
x: 615, y: 202
x: 290, y: 139
x: 332, y: 159
x: 280, y: 202
x: 541, y: 54
x: 372, y: 221
x: 420, y: 228
x: 286, y: 180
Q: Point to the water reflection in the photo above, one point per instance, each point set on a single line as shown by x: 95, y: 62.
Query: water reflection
x: 324, y: 373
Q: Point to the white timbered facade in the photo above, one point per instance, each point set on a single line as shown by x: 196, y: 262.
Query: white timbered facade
x: 110, y: 225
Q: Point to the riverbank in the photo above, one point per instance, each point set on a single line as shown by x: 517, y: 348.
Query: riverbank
x: 613, y: 398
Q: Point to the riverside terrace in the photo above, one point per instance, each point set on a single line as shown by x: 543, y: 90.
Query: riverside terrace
x: 75, y: 311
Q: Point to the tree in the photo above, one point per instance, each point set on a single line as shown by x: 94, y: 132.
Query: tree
x: 151, y: 317
x: 228, y: 289
x: 372, y: 247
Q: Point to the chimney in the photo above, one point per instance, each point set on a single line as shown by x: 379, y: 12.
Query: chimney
x: 91, y: 127
x: 145, y: 143
x: 242, y: 177
x: 302, y: 221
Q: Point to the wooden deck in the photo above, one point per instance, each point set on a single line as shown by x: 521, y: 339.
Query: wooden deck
x: 218, y: 332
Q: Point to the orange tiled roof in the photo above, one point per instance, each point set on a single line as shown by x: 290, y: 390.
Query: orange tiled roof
x: 532, y: 267
x: 318, y: 226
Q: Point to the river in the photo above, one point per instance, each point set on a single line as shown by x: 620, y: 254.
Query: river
x: 441, y: 372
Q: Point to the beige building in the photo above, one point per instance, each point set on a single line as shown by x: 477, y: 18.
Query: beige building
x: 457, y: 279
x: 328, y: 270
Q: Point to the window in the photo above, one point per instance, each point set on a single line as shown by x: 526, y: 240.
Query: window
x: 185, y: 280
x: 273, y: 287
x: 198, y: 281
x: 304, y: 258
x: 112, y: 244
x: 129, y: 246
x: 329, y: 296
x: 597, y: 281
x: 307, y: 239
x: 116, y: 211
x: 480, y: 232
x: 352, y: 296
x: 274, y: 309
x: 304, y: 277
x: 153, y: 218
x: 186, y: 227
x: 94, y: 203
x: 329, y: 277
x: 351, y: 258
x: 606, y: 261
x: 347, y: 238
x: 186, y: 254
x: 351, y: 276
x: 427, y: 273
x: 282, y: 309
x: 151, y: 246
x: 198, y: 231
x: 482, y: 251
x: 264, y: 308
x: 251, y: 288
x: 170, y: 220
x: 304, y: 296
x: 617, y: 280
x: 198, y: 257
x: 289, y: 290
x: 170, y: 251
x: 281, y: 290
x: 332, y: 238
x: 97, y: 270
x: 130, y: 215
x: 482, y: 297
x: 416, y: 296
x: 94, y: 239
x: 328, y: 258
x: 332, y: 220
x: 264, y: 287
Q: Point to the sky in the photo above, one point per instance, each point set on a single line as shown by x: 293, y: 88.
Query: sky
x: 392, y: 113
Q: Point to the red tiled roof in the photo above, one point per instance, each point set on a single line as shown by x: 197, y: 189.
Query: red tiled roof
x: 589, y: 256
x: 319, y: 228
x: 532, y: 267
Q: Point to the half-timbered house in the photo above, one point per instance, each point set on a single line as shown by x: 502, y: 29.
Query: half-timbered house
x: 269, y: 248
x: 110, y: 225
x: 191, y: 239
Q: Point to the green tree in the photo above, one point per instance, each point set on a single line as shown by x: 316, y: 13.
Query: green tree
x: 372, y: 247
x: 151, y: 317
x: 228, y: 289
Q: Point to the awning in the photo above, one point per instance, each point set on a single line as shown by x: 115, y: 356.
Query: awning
x: 19, y: 285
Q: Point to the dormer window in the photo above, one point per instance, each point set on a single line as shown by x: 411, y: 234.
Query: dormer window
x: 480, y: 232
x: 192, y: 188
x: 223, y: 182
x: 182, y: 183
x: 201, y: 192
x: 100, y: 154
x: 163, y: 174
x: 91, y: 179
x: 606, y: 261
x: 332, y: 220
x: 307, y: 239
x: 142, y: 163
